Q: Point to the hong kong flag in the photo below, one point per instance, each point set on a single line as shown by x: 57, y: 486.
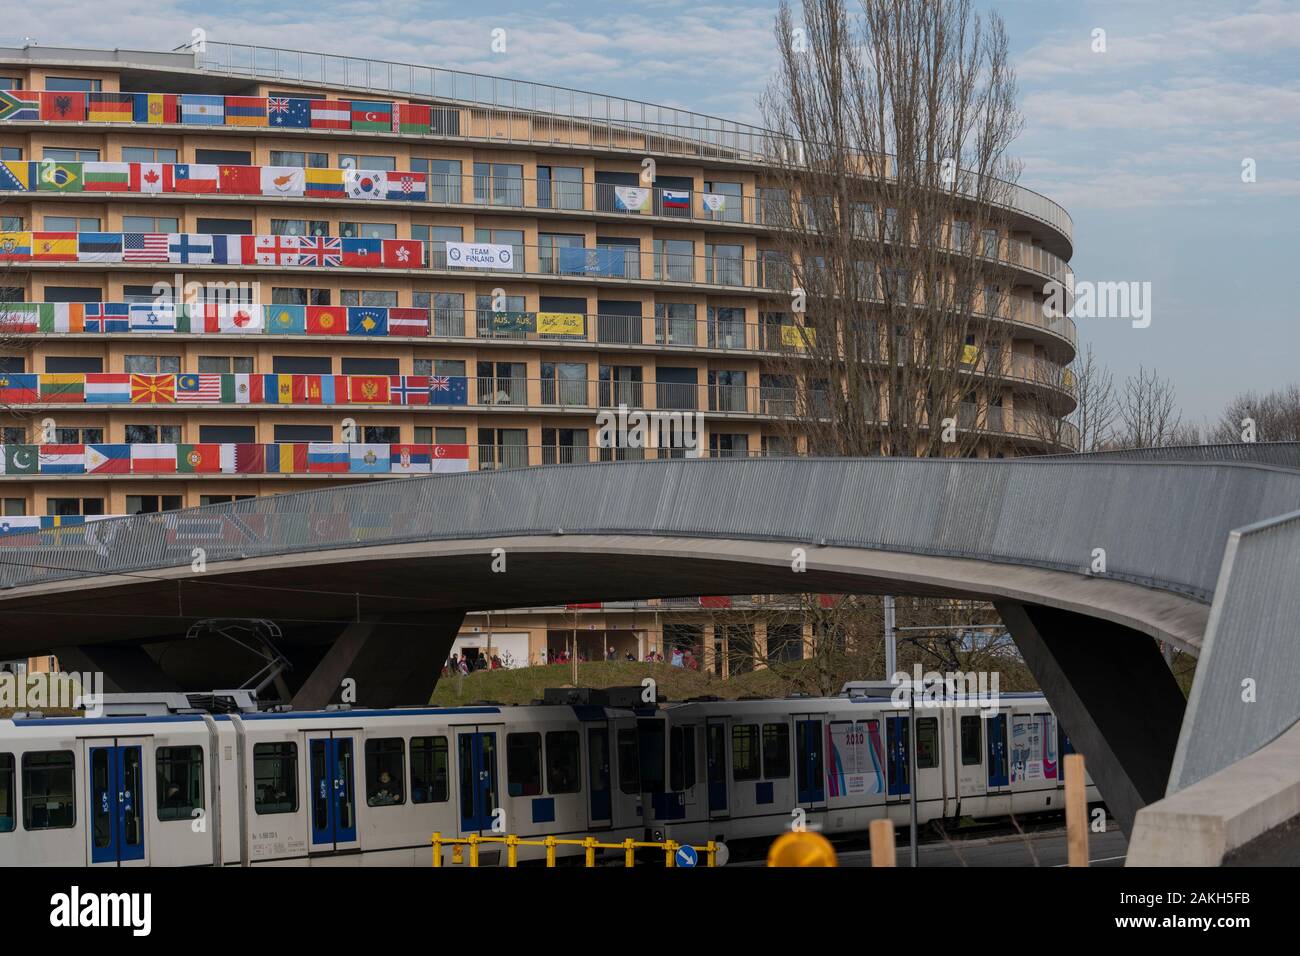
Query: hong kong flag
x: 402, y: 253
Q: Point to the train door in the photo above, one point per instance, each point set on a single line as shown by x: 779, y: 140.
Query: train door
x: 117, y: 800
x: 810, y: 751
x: 999, y: 776
x: 625, y: 785
x: 476, y: 755
x: 600, y: 803
x: 331, y: 764
x: 715, y: 750
x: 928, y: 761
x: 897, y: 762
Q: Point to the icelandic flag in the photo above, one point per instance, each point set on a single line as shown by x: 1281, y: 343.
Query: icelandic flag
x: 153, y: 317
x: 108, y: 459
x: 449, y: 390
x: 327, y: 457
x: 203, y: 109
x: 108, y: 317
x: 62, y: 459
x: 367, y: 321
x: 366, y: 459
x: 110, y: 388
x: 289, y: 111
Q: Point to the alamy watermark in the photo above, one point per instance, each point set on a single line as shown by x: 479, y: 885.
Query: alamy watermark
x: 50, y: 690
x: 1098, y: 300
x: 947, y: 689
x: 639, y: 429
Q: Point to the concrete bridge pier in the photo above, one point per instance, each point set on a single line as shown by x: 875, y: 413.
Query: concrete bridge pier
x: 127, y: 669
x: 1114, y: 695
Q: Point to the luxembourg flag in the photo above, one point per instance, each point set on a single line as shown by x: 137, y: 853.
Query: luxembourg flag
x: 63, y: 459
x: 327, y: 457
x: 108, y: 388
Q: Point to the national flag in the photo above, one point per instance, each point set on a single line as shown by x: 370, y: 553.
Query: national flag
x: 189, y: 248
x: 62, y: 459
x: 449, y: 390
x: 412, y: 118
x: 19, y: 388
x: 372, y: 116
x: 326, y: 320
x: 232, y: 250
x: 409, y: 389
x: 369, y: 459
x: 287, y: 458
x: 410, y: 322
x: 275, y: 250
x: 55, y: 176
x: 15, y: 176
x: 320, y: 251
x: 199, y: 387
x: 365, y: 183
x: 108, y: 317
x: 324, y: 183
x: 245, y: 111
x: 331, y: 114
x: 19, y: 105
x: 675, y: 199
x: 63, y: 388
x: 153, y: 459
x: 283, y: 180
x: 243, y: 459
x: 63, y: 316
x: 367, y: 321
x: 108, y: 459
x: 110, y: 107
x: 54, y: 246
x: 152, y: 178
x: 363, y: 253
x: 157, y: 108
x: 241, y: 180
x: 242, y: 388
x: 203, y: 109
x: 99, y: 247
x: 450, y: 458
x: 314, y: 389
x: 402, y: 253
x: 286, y: 319
x: 15, y: 246
x: 21, y: 459
x: 409, y: 459
x: 144, y: 247
x: 108, y: 388
x: 290, y: 112
x: 327, y: 457
x: 153, y: 317
x: 20, y: 317
x: 198, y: 459
x: 368, y: 389
x: 153, y: 389
x: 239, y: 317
x: 409, y: 186
x: 194, y: 178
x: 61, y: 107
x: 277, y: 389
x: 106, y: 177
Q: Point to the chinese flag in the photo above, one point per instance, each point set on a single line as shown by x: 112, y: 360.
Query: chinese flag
x: 245, y: 180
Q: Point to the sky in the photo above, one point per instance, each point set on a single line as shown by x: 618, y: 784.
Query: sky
x: 1143, y: 142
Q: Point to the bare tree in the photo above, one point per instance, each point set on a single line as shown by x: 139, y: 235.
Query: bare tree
x: 1148, y: 413
x: 1275, y: 417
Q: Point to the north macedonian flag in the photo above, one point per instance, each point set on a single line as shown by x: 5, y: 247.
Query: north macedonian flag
x: 153, y: 389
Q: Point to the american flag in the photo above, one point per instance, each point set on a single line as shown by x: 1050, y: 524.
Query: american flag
x: 320, y: 252
x: 144, y: 247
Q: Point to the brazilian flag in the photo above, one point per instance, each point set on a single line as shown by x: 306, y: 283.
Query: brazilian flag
x: 53, y: 175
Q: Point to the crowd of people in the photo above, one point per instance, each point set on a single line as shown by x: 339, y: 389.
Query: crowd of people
x: 466, y: 663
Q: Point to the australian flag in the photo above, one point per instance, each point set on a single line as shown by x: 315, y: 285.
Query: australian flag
x: 449, y: 390
x: 288, y: 111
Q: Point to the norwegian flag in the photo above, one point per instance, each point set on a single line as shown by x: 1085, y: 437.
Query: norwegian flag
x: 326, y: 252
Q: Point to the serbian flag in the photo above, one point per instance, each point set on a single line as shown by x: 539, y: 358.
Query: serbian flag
x: 402, y: 253
x: 327, y: 320
x: 153, y: 459
x: 110, y: 107
x: 157, y: 108
x: 243, y: 180
x: 331, y: 114
x: 245, y: 111
x: 409, y: 459
x: 63, y: 107
x: 413, y: 322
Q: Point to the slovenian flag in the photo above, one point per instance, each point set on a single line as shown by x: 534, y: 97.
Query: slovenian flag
x: 675, y: 199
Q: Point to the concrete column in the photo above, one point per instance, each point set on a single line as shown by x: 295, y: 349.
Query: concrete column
x: 126, y: 670
x: 1114, y: 695
x: 393, y: 661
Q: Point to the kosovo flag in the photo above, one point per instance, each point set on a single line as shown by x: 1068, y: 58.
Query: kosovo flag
x: 364, y: 321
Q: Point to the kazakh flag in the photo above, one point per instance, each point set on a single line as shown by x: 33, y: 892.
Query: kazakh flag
x: 286, y: 319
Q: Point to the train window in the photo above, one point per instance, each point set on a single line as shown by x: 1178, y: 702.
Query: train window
x: 524, y: 764
x: 7, y: 818
x: 681, y: 759
x: 776, y: 751
x: 429, y: 772
x: 385, y: 772
x: 927, y: 743
x: 972, y: 743
x: 629, y: 766
x: 48, y: 790
x: 744, y: 752
x: 275, y: 778
x: 180, y: 782
x: 650, y: 738
x: 563, y: 773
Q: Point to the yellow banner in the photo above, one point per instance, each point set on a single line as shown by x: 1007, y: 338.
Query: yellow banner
x: 561, y: 323
x: 970, y: 354
x: 795, y: 336
x: 1068, y: 377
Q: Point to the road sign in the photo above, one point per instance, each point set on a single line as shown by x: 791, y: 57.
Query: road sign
x: 687, y: 857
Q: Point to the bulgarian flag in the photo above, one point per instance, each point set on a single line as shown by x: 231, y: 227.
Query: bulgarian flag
x: 107, y: 177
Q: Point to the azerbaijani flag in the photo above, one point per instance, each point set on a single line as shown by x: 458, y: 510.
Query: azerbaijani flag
x: 372, y: 116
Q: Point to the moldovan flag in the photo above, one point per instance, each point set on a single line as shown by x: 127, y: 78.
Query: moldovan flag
x: 54, y: 246
x: 243, y: 459
x: 245, y: 111
x: 198, y: 459
x: 327, y: 457
x: 331, y: 114
x: 157, y: 108
x: 450, y: 458
x: 110, y: 107
x: 151, y: 459
x: 108, y: 459
x: 63, y: 107
x: 287, y: 458
x: 63, y: 317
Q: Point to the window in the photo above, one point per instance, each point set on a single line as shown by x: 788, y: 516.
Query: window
x: 776, y: 751
x: 224, y: 157
x: 14, y: 507
x: 71, y: 224
x: 180, y: 782
x: 563, y: 771
x: 11, y: 224
x: 73, y: 84
x: 275, y: 778
x: 11, y: 153
x: 148, y: 154
x: 225, y: 227
x: 524, y: 765
x: 291, y: 157
x: 295, y: 433
x: 367, y: 161
x: 971, y: 742
x: 10, y: 83
x: 222, y: 499
x: 300, y: 227
x: 927, y: 743
x: 368, y: 297
x: 301, y: 364
x: 681, y: 759
x: 152, y: 504
x: 150, y: 224
x: 300, y: 296
x: 429, y: 773
x: 152, y: 434
x: 447, y: 311
x: 381, y: 434
x: 237, y: 364
x: 499, y: 184
x: 8, y: 820
x: 444, y: 178
x: 629, y: 767
x: 674, y: 259
x: 48, y: 790
x: 74, y: 506
x: 385, y: 772
x: 436, y: 239
x: 71, y: 155
x: 744, y: 752
x: 78, y: 436
x: 368, y: 230
x: 425, y: 435
x: 73, y: 363
x: 559, y: 187
x: 151, y: 364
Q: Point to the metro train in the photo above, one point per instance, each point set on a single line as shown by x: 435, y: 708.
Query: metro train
x: 171, y: 780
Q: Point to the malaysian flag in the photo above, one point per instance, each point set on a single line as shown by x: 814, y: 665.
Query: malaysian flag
x: 326, y: 252
x: 204, y: 387
x: 144, y: 247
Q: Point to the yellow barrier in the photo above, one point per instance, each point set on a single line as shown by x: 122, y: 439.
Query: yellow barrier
x: 589, y: 844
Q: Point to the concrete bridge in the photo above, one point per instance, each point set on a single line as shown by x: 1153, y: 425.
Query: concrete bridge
x: 1088, y: 559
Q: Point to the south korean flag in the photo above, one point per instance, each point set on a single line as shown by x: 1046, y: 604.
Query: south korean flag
x: 365, y: 183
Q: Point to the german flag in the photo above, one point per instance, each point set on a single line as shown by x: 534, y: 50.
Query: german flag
x: 110, y: 107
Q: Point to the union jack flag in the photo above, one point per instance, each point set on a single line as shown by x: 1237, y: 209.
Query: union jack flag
x: 439, y: 383
x: 278, y: 104
x: 325, y: 252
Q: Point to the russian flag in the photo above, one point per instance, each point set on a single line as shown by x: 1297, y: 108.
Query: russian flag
x: 327, y: 457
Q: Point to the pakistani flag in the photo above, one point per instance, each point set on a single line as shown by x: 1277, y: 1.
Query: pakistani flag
x: 21, y: 459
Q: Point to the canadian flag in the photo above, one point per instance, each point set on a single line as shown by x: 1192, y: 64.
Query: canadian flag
x: 150, y: 177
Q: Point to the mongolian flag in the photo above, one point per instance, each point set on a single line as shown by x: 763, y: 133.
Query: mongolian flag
x: 326, y: 320
x: 287, y: 458
x: 63, y: 107
x: 368, y: 389
x: 153, y: 389
x: 157, y: 108
x: 328, y: 114
x: 412, y: 118
x: 315, y: 389
x: 54, y: 246
x: 243, y: 180
x: 110, y: 107
x: 19, y: 105
x: 245, y: 111
x: 372, y: 116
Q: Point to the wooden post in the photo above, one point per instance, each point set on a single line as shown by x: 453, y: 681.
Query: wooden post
x: 1076, y: 810
x: 882, y: 843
